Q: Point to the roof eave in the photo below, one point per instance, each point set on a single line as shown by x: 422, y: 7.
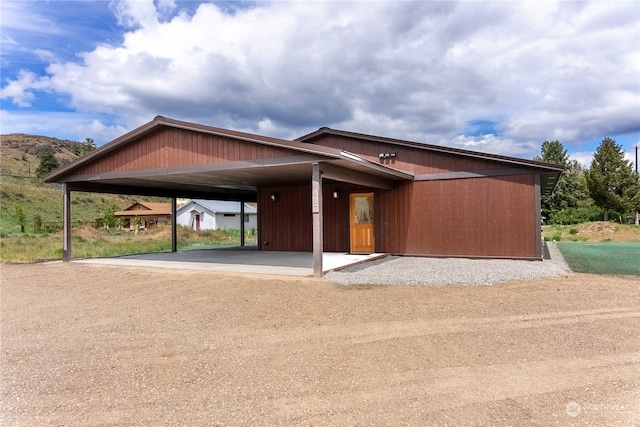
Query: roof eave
x: 431, y: 147
x: 160, y: 121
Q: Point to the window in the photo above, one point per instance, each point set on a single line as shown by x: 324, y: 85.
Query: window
x: 246, y: 217
x: 230, y: 215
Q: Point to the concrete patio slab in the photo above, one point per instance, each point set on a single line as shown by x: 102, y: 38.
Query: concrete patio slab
x: 240, y: 259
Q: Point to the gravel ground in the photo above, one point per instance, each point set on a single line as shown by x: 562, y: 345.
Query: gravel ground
x: 95, y: 345
x: 395, y: 270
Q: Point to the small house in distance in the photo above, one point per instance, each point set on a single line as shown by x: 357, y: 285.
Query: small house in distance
x: 199, y: 214
x: 150, y: 214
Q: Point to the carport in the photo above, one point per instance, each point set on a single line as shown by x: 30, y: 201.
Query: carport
x: 171, y: 158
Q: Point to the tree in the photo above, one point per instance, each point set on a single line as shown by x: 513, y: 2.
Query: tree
x: 37, y: 223
x: 611, y: 181
x: 571, y: 189
x: 48, y: 162
x: 89, y: 145
x: 553, y: 152
x: 111, y: 220
x: 20, y: 216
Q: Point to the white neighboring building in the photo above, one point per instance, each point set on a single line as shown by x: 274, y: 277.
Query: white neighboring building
x: 216, y: 215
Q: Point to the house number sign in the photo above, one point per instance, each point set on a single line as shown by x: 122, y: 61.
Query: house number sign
x: 315, y: 202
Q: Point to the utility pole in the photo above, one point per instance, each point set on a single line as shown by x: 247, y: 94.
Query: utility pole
x: 637, y: 211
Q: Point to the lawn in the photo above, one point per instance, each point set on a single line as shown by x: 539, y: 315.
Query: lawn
x: 602, y: 258
x: 88, y: 242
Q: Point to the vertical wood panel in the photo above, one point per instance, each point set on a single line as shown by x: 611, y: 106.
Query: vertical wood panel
x: 176, y: 147
x: 473, y: 217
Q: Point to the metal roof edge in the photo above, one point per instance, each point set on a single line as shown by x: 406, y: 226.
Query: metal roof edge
x: 432, y: 147
x: 249, y: 137
x: 372, y: 165
x: 105, y: 149
x: 160, y: 121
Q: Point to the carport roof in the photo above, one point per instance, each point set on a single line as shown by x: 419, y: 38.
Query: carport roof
x: 234, y: 180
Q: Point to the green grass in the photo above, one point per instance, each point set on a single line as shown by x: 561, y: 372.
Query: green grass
x: 597, y: 231
x: 90, y: 243
x: 37, y: 198
x: 602, y: 258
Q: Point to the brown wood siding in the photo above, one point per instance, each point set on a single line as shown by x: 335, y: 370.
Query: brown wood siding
x: 409, y: 159
x: 392, y: 223
x: 170, y: 147
x: 476, y: 217
x: 485, y: 217
x: 286, y: 225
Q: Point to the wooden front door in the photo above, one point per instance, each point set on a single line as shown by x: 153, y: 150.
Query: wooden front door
x: 362, y: 236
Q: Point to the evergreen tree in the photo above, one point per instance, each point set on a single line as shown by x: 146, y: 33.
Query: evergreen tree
x: 553, y: 152
x: 611, y: 181
x: 571, y: 190
x: 89, y: 145
x: 48, y: 162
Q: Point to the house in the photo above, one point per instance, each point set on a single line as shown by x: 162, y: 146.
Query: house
x: 150, y: 214
x: 331, y: 190
x: 200, y: 214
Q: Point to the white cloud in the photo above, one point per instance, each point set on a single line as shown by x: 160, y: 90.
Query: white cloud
x: 583, y: 157
x: 416, y: 70
x: 62, y: 125
x: 20, y: 91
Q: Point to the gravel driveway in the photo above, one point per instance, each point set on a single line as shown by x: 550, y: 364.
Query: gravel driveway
x: 96, y: 345
x: 396, y: 270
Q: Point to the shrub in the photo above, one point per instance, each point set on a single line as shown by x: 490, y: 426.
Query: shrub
x: 557, y: 237
x: 573, y: 231
x: 577, y: 215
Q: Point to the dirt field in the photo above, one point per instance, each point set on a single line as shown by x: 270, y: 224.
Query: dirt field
x: 90, y: 345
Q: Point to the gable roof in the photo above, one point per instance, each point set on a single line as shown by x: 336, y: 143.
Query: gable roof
x: 160, y: 121
x: 150, y: 208
x: 226, y: 180
x: 218, y: 206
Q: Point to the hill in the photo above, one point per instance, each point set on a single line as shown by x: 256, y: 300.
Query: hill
x: 19, y: 152
x: 18, y: 185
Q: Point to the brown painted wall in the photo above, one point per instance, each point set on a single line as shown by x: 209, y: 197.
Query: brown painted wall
x: 477, y: 217
x: 493, y: 217
x: 287, y: 224
x: 170, y: 147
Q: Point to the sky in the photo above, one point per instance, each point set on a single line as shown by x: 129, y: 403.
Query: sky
x: 498, y: 77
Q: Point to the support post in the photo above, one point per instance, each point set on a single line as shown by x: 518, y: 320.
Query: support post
x: 538, y: 216
x: 242, y: 223
x: 66, y: 223
x: 174, y: 225
x: 316, y: 212
x: 637, y: 177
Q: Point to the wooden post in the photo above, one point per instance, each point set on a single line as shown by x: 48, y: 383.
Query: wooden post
x: 174, y: 225
x: 316, y: 212
x: 66, y: 223
x: 241, y: 222
x: 538, y: 216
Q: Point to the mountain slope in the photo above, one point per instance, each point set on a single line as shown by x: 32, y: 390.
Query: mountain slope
x: 19, y: 152
x: 19, y: 187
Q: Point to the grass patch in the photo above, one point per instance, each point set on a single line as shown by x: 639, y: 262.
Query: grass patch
x: 91, y: 243
x: 592, y: 232
x: 602, y: 258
